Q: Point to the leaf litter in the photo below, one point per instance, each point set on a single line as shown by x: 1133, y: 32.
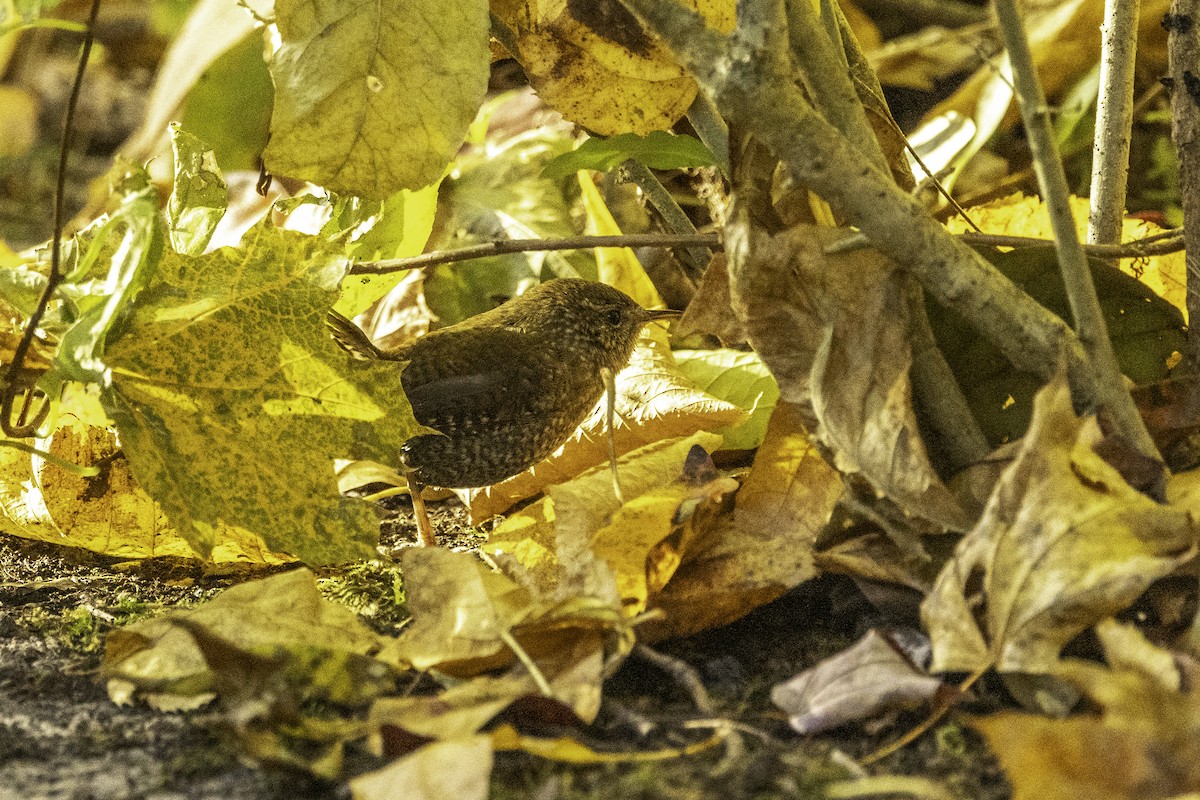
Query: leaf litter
x: 515, y: 659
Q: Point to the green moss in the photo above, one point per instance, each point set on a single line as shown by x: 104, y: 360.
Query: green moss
x: 372, y: 589
x: 951, y: 741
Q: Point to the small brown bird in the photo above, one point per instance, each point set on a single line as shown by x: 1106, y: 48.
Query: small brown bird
x: 508, y: 386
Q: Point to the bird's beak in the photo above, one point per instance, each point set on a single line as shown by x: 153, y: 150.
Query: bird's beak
x: 663, y: 315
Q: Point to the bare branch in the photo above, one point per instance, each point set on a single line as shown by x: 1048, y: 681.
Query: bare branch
x: 1183, y: 50
x: 534, y: 245
x: 1114, y: 119
x: 1077, y: 277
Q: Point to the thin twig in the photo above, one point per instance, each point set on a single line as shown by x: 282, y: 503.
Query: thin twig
x: 534, y: 245
x: 11, y: 384
x: 1114, y: 119
x: 1077, y: 277
x: 1171, y: 241
x: 682, y: 672
x: 1183, y: 52
x: 943, y: 704
x: 676, y: 219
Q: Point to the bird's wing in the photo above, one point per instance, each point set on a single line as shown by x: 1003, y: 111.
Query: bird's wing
x: 490, y: 372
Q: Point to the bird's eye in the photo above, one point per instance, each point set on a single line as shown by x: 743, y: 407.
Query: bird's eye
x: 614, y: 316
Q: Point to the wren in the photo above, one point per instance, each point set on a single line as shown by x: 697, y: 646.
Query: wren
x: 506, y: 387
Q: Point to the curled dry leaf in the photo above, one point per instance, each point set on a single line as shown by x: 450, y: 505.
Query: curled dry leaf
x: 736, y: 562
x: 867, y: 679
x: 1063, y: 543
x: 465, y: 617
x: 160, y: 657
x: 553, y: 539
x: 1145, y: 743
x: 834, y: 331
x: 574, y: 676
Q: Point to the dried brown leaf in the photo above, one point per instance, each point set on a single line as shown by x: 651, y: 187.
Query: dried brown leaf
x: 1063, y: 543
x: 834, y: 331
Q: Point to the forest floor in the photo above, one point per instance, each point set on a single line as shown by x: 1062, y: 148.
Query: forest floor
x: 62, y: 737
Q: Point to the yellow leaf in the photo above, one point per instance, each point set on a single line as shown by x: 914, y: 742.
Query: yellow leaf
x: 1144, y: 743
x: 19, y: 110
x: 458, y: 769
x: 571, y: 751
x: 737, y: 562
x: 466, y: 619
x: 111, y: 514
x: 553, y: 538
x: 1017, y: 215
x: 595, y: 64
x: 372, y: 98
x: 286, y: 610
x: 791, y: 491
x: 1063, y: 543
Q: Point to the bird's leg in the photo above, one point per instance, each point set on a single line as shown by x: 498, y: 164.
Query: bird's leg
x: 425, y: 536
x: 610, y: 408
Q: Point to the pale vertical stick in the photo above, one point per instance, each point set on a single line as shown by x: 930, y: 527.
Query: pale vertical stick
x: 1077, y: 277
x: 1114, y: 119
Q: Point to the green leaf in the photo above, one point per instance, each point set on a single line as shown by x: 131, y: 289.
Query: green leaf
x: 400, y: 230
x: 229, y: 106
x: 739, y: 378
x: 15, y: 14
x: 129, y: 259
x: 500, y: 194
x: 658, y: 150
x: 232, y: 401
x: 1144, y: 328
x: 198, y: 194
x: 371, y: 98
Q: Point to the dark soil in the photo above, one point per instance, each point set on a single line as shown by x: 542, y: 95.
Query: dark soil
x: 61, y: 737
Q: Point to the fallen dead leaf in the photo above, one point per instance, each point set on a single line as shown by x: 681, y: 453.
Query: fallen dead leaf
x: 457, y: 769
x: 1063, y: 543
x: 868, y: 678
x: 160, y: 658
x: 834, y: 331
x: 1144, y: 745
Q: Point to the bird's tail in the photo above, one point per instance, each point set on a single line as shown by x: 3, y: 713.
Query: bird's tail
x: 352, y: 339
